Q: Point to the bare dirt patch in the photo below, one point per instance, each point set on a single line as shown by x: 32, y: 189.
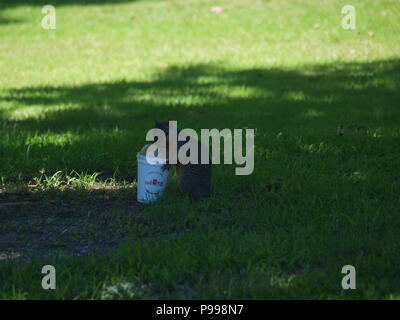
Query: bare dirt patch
x: 37, y: 223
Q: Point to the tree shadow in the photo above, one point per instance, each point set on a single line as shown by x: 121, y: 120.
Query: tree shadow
x: 9, y: 4
x: 73, y: 217
x: 100, y: 127
x: 4, y: 20
x: 12, y: 4
x: 196, y: 91
x: 111, y: 117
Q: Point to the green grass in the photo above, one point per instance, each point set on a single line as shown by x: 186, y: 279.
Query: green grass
x: 76, y: 103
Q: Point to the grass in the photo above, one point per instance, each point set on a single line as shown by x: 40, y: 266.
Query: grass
x: 75, y: 106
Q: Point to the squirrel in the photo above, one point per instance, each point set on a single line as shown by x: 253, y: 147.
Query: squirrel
x: 340, y: 130
x: 193, y: 179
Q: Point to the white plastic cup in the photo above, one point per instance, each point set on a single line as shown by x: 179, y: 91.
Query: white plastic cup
x: 152, y: 180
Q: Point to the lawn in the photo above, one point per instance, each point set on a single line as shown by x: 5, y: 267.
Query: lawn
x: 76, y: 103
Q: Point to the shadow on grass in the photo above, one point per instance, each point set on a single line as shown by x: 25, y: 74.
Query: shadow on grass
x: 7, y: 4
x: 38, y: 223
x: 196, y: 92
x: 4, y: 20
x: 101, y: 126
x: 12, y: 4
x: 101, y: 121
